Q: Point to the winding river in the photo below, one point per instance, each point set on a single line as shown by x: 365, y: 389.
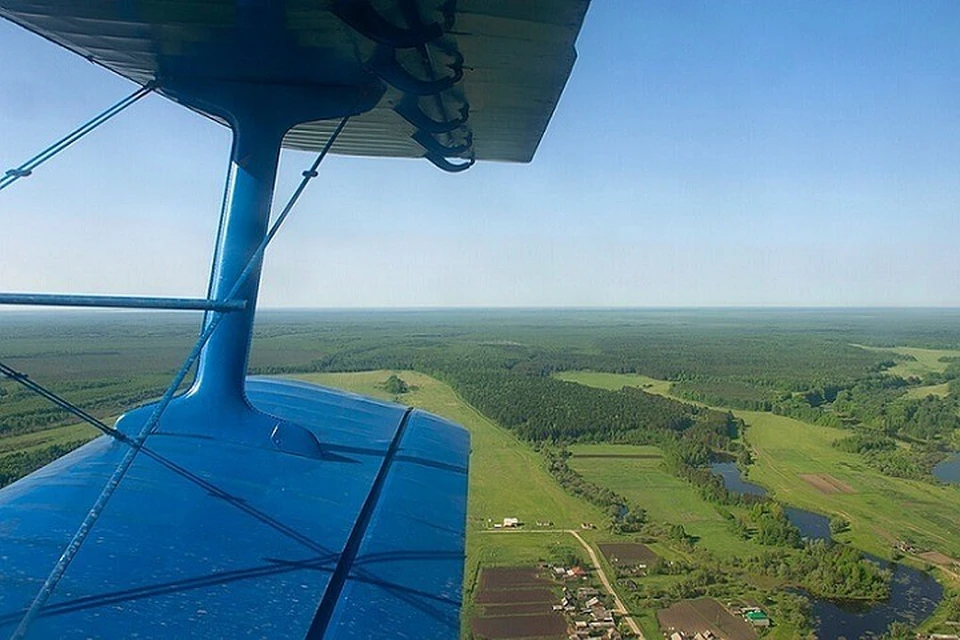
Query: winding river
x: 913, y: 595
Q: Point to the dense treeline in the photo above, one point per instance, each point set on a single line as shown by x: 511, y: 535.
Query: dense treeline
x: 881, y: 402
x: 728, y: 393
x: 800, y: 363
x: 22, y: 411
x: 546, y: 409
x: 18, y: 464
x: 833, y: 571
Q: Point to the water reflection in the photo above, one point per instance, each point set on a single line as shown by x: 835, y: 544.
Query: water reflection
x: 913, y: 594
x: 949, y: 469
x: 913, y: 597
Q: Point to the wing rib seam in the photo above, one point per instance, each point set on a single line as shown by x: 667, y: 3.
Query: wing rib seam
x: 328, y: 604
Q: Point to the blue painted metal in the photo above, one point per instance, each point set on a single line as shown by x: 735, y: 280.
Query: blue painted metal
x: 121, y: 302
x: 247, y: 541
x: 216, y: 409
x: 517, y: 58
x: 266, y: 508
x: 253, y: 167
x: 248, y: 424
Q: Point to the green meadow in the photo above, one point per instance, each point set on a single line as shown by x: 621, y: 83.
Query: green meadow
x: 666, y: 498
x: 507, y: 479
x: 38, y: 439
x: 924, y: 361
x: 940, y: 390
x: 881, y: 509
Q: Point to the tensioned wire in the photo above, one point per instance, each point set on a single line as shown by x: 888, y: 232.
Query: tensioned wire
x: 25, y: 169
x: 136, y: 444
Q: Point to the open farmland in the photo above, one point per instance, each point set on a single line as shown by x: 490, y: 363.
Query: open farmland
x: 628, y: 554
x: 506, y: 480
x: 881, y: 509
x: 665, y: 497
x: 826, y: 483
x: 704, y: 614
x: 516, y: 603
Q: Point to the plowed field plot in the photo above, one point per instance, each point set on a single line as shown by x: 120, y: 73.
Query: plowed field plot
x: 493, y: 610
x: 510, y: 578
x: 515, y: 596
x: 517, y: 602
x: 621, y: 456
x: 826, y: 483
x: 545, y: 626
x: 704, y: 614
x: 629, y: 554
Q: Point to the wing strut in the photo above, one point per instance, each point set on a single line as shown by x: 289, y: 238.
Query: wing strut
x: 253, y: 262
x: 26, y: 169
x: 121, y: 302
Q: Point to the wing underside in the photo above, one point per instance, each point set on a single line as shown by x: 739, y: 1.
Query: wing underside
x: 499, y: 65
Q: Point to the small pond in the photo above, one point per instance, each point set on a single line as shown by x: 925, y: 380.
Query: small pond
x: 913, y: 596
x: 810, y: 524
x: 949, y: 469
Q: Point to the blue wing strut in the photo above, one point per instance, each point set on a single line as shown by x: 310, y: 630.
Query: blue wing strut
x: 263, y: 508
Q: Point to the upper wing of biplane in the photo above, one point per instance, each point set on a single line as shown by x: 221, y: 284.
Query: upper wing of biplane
x: 261, y: 507
x: 441, y: 68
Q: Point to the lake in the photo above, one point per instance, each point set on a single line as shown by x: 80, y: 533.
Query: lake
x: 913, y: 597
x: 949, y: 469
x: 913, y: 594
x: 811, y: 525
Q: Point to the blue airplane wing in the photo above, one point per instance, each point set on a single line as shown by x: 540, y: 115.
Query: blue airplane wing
x: 511, y: 59
x: 261, y: 508
x: 222, y: 539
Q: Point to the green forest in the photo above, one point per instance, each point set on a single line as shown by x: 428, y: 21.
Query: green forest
x: 899, y: 409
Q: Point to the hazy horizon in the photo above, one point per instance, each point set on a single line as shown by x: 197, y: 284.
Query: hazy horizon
x: 702, y: 155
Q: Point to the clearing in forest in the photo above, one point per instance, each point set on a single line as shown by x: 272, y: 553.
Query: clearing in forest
x: 922, y: 362
x: 826, y: 483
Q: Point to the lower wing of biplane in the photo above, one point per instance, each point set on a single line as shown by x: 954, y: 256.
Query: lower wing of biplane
x: 260, y: 507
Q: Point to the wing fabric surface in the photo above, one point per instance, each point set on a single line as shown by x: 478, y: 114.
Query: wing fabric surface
x: 507, y: 61
x: 366, y: 541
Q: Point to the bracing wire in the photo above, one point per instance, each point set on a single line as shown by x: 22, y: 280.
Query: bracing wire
x: 25, y: 169
x: 40, y: 390
x: 209, y: 487
x: 151, y: 424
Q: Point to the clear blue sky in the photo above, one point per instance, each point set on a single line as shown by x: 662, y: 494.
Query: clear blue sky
x: 703, y: 153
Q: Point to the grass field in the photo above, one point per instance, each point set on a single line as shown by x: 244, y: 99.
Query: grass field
x: 881, y: 510
x: 507, y: 479
x: 941, y: 390
x: 925, y: 360
x: 38, y: 439
x: 665, y: 497
x: 616, y: 381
